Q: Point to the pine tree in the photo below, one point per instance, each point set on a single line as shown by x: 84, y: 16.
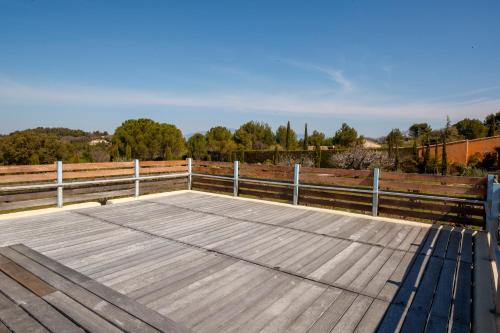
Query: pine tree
x: 305, y: 144
x: 287, y: 139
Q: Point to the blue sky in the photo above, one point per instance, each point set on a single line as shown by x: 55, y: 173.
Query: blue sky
x: 373, y: 64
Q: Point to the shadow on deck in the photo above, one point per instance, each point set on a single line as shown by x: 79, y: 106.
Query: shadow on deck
x: 216, y: 264
x: 436, y: 294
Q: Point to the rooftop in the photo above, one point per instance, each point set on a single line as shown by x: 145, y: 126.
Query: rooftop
x: 214, y: 263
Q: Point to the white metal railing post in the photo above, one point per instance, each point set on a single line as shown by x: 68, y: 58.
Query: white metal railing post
x: 376, y: 174
x: 59, y: 183
x: 136, y: 176
x: 489, y: 194
x: 492, y: 211
x: 235, y: 178
x: 190, y: 173
x: 492, y: 216
x: 296, y: 172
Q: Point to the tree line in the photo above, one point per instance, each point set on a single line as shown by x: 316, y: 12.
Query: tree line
x: 423, y: 136
x: 146, y: 139
x: 47, y: 145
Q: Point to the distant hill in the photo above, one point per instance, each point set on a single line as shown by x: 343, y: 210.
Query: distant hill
x: 43, y: 145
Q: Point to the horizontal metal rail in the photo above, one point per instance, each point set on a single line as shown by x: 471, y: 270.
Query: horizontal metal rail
x: 92, y: 182
x: 241, y: 179
x: 269, y: 182
x: 336, y: 188
x: 433, y: 197
x: 347, y: 189
x: 212, y: 176
x: 375, y: 192
x: 248, y: 180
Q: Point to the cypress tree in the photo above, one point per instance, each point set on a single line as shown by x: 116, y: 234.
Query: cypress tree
x: 491, y: 127
x: 444, y: 163
x: 305, y: 144
x: 115, y: 154
x: 427, y: 154
x: 287, y: 139
x: 318, y: 156
x: 415, y: 150
x: 390, y: 143
x: 396, y: 159
x: 436, y: 168
x: 444, y: 155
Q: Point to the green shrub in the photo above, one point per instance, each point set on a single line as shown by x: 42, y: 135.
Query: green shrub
x: 489, y: 161
x: 459, y: 169
x: 409, y: 165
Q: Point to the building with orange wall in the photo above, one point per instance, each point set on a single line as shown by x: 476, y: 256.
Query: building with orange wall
x: 463, y: 151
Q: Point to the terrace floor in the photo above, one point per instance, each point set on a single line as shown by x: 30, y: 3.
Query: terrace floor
x: 218, y: 264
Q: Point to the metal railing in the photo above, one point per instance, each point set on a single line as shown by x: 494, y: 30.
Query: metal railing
x: 296, y: 185
x: 492, y: 203
x: 60, y: 184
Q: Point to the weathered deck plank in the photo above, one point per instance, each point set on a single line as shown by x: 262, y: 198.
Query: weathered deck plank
x: 4, y: 329
x: 16, y: 318
x: 216, y: 264
x: 91, y: 305
x: 36, y: 307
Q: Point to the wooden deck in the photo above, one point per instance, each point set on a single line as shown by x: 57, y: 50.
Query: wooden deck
x: 39, y: 294
x: 217, y: 264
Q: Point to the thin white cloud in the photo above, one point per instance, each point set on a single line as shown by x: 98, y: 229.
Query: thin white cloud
x: 473, y: 92
x: 13, y: 93
x: 334, y: 74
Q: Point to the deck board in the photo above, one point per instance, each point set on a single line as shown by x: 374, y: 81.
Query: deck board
x: 217, y: 264
x: 16, y: 318
x: 59, y: 299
